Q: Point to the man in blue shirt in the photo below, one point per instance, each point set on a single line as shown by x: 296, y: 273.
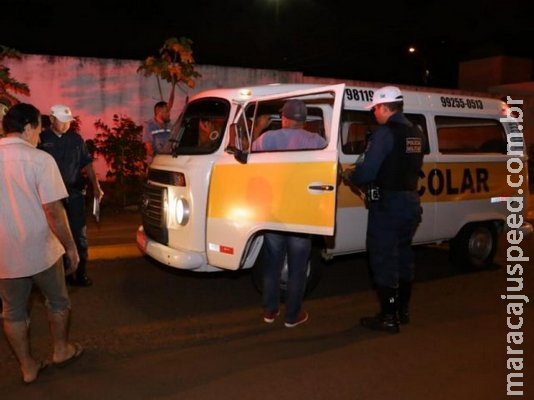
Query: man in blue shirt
x: 72, y: 157
x: 276, y: 246
x: 158, y: 130
x: 391, y: 169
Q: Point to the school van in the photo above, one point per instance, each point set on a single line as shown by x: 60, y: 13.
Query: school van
x: 209, y: 199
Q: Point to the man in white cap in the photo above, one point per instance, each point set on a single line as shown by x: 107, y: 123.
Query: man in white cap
x: 390, y: 170
x: 70, y: 152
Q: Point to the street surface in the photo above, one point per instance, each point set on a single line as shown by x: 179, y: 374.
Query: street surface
x: 154, y: 333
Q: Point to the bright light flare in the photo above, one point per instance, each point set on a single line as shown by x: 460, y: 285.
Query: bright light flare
x: 245, y: 93
x: 240, y: 215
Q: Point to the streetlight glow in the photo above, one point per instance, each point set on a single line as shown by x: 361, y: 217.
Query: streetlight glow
x: 426, y: 72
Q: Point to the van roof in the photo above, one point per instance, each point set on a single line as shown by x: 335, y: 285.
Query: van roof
x: 251, y: 92
x: 357, y: 97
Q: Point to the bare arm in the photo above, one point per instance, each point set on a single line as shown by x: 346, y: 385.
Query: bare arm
x: 262, y: 122
x: 59, y: 224
x: 149, y: 149
x: 92, y: 177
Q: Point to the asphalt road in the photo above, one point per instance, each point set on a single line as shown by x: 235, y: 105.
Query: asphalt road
x: 155, y: 333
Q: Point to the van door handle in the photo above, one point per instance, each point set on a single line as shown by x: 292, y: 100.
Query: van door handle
x: 324, y: 188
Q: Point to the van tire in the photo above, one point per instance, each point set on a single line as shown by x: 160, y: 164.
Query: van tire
x: 474, y: 247
x: 315, y: 267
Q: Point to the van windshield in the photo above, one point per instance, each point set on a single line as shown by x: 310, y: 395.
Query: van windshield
x: 201, y: 127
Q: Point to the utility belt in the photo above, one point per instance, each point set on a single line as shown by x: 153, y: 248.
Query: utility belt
x: 75, y: 190
x: 373, y: 193
x: 376, y: 194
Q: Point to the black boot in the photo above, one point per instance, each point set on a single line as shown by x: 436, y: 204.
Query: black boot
x: 387, y: 320
x: 80, y: 278
x: 405, y: 293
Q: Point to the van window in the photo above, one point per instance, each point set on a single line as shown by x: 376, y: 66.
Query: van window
x: 201, y: 127
x: 459, y: 135
x: 272, y: 108
x: 356, y: 126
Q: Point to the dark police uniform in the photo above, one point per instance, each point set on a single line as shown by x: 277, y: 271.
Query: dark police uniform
x: 71, y: 154
x: 392, y: 163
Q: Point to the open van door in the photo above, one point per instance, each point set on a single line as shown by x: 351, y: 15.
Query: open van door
x: 286, y: 191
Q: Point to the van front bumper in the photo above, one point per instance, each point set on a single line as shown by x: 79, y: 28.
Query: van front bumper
x: 172, y: 257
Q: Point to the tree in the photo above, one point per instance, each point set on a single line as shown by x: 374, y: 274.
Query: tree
x: 175, y: 65
x: 124, y: 152
x: 8, y: 85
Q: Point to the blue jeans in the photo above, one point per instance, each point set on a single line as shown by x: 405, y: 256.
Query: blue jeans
x: 276, y: 247
x: 392, y: 224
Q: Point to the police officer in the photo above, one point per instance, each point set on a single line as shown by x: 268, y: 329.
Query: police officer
x: 390, y: 169
x: 72, y: 157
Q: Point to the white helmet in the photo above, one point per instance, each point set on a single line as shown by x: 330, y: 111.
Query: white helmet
x: 386, y: 94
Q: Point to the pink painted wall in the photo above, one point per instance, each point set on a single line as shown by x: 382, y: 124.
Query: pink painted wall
x: 98, y: 88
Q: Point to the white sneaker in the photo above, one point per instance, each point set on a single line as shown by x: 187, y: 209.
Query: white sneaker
x: 303, y: 317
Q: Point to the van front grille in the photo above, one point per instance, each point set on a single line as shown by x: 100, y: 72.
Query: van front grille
x: 154, y: 213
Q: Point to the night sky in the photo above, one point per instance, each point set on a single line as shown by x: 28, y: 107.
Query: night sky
x: 342, y: 39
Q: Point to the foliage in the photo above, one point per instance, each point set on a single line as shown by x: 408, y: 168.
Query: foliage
x: 8, y: 85
x: 175, y: 64
x: 123, y: 150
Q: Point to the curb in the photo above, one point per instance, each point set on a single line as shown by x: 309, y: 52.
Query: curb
x: 130, y: 250
x: 113, y: 251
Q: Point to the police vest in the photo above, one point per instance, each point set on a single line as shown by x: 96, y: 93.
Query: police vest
x: 400, y: 169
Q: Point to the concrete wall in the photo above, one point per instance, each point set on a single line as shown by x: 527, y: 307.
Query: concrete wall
x: 98, y: 88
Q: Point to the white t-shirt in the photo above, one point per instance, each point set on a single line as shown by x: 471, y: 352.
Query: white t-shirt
x: 29, y: 178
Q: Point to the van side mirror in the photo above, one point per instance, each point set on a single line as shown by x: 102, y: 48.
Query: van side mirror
x: 235, y: 145
x: 241, y: 156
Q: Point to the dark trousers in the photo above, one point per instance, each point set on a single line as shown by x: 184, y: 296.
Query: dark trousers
x: 391, y: 226
x: 75, y: 208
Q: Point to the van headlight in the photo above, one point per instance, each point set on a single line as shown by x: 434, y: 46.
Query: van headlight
x: 181, y: 211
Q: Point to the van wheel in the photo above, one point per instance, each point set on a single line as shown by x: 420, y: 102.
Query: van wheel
x: 474, y: 246
x: 313, y: 275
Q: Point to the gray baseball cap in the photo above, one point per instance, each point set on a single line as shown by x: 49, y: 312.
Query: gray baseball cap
x: 295, y: 109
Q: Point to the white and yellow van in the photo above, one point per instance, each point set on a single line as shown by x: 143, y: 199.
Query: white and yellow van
x: 206, y: 206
